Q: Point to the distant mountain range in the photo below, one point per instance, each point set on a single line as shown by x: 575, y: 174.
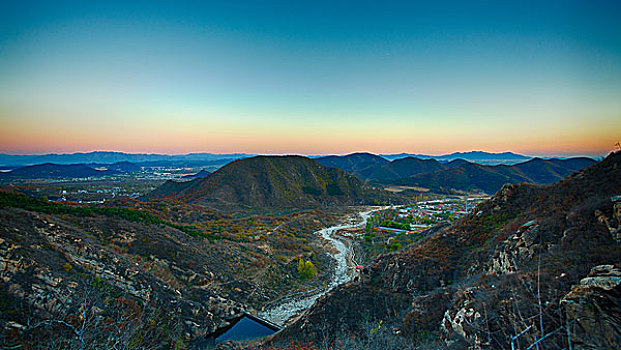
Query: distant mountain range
x: 479, y: 157
x: 272, y: 182
x: 63, y: 171
x: 120, y: 167
x: 432, y: 174
x: 153, y: 159
x: 457, y: 174
x: 105, y: 157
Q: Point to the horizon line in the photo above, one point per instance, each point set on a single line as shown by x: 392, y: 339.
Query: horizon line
x: 532, y: 155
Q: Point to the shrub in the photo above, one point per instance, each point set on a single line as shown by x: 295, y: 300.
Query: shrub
x: 306, y: 269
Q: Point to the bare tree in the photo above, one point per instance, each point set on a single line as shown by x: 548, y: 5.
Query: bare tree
x: 94, y: 320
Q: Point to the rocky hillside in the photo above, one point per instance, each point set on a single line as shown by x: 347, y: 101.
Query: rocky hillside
x: 156, y: 276
x: 533, y: 261
x: 271, y: 182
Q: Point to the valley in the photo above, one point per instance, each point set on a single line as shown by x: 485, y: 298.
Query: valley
x: 299, y: 244
x: 523, y: 264
x: 310, y: 175
x: 343, y: 253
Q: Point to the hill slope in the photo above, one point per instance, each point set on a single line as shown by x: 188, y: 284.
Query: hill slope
x: 465, y: 176
x: 53, y: 171
x: 370, y: 167
x: 200, y: 174
x: 462, y: 175
x: 357, y: 164
x: 517, y: 263
x: 399, y: 168
x: 271, y: 182
x: 551, y: 170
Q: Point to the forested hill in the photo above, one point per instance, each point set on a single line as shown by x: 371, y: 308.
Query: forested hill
x: 272, y: 182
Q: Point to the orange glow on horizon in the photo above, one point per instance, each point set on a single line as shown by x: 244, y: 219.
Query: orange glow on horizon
x: 28, y: 135
x: 40, y: 142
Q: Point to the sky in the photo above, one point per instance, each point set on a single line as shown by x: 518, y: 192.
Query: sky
x: 310, y: 77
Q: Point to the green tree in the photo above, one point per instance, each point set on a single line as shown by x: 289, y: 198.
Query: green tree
x: 306, y: 269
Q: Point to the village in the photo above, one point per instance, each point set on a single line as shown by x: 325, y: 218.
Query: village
x: 423, y: 215
x: 417, y: 217
x: 390, y: 229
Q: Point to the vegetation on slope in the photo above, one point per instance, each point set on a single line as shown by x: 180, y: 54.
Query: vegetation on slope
x: 15, y: 200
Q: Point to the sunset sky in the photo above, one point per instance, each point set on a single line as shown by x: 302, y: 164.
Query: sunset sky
x: 311, y: 77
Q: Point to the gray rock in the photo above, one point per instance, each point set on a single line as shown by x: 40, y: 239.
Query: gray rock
x: 592, y: 309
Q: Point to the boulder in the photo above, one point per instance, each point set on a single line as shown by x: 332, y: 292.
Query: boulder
x: 593, y: 309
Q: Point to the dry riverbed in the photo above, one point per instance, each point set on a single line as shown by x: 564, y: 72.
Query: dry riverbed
x: 344, y: 270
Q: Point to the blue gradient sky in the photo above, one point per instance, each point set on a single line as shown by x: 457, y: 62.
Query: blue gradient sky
x: 310, y: 77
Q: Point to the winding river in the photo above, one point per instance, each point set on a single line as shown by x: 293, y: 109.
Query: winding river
x: 343, y: 273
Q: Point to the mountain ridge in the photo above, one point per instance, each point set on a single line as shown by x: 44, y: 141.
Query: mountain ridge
x: 457, y: 174
x: 472, y: 176
x: 481, y: 157
x: 109, y: 157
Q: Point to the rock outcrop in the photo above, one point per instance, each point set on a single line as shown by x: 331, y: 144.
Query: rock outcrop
x: 56, y: 270
x: 593, y: 310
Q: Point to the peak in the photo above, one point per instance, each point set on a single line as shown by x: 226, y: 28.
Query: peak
x: 413, y: 159
x: 292, y: 158
x: 362, y: 154
x: 278, y: 156
x: 459, y: 161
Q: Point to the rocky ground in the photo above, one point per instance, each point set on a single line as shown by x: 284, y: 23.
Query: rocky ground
x: 97, y: 281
